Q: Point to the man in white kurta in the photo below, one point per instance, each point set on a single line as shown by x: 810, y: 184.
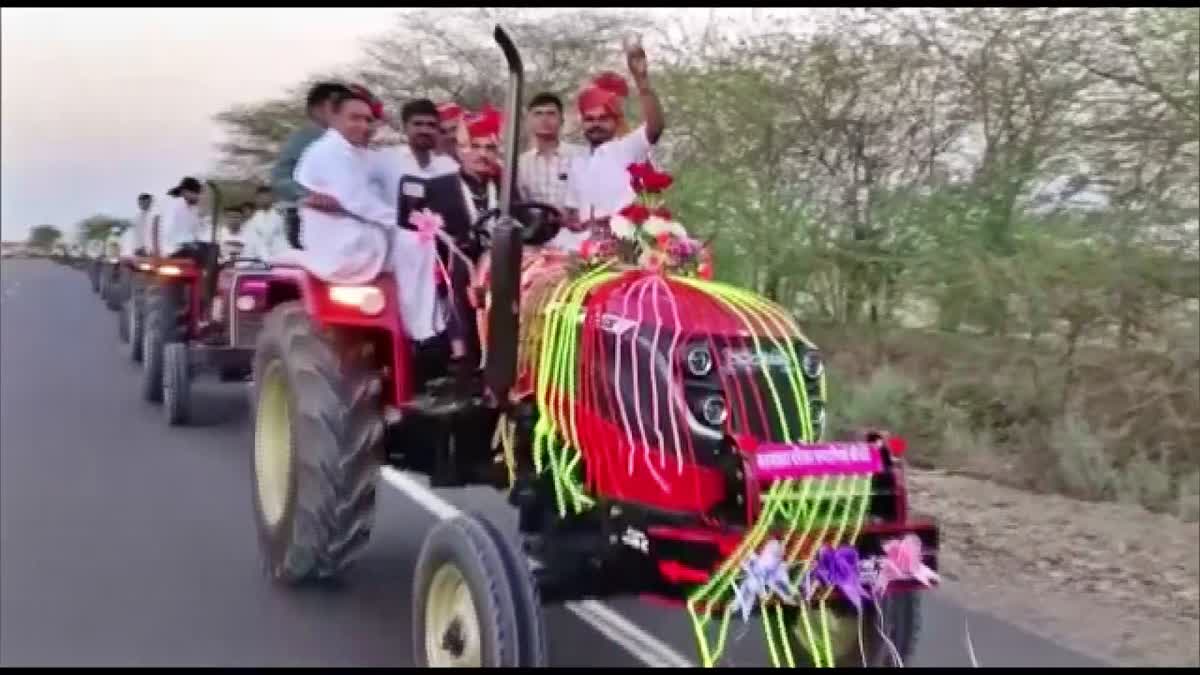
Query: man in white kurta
x: 180, y: 223
x: 264, y: 231
x: 349, y: 244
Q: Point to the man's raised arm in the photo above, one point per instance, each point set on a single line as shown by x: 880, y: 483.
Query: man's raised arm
x: 652, y: 112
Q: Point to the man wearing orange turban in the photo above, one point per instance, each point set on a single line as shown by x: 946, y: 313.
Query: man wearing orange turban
x: 599, y: 185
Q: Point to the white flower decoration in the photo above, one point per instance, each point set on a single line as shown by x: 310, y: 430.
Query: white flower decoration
x: 622, y: 227
x: 656, y: 226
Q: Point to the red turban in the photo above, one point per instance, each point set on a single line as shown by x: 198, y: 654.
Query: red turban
x: 484, y: 124
x: 606, y: 90
x: 449, y: 111
x: 375, y: 104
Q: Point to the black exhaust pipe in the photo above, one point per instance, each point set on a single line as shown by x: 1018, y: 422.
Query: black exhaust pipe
x: 503, y: 320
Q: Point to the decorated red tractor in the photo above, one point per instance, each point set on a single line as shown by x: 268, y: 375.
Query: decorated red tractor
x: 659, y: 433
x: 196, y: 314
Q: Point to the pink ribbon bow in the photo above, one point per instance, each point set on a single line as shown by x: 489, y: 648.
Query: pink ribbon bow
x: 903, y: 561
x: 427, y: 224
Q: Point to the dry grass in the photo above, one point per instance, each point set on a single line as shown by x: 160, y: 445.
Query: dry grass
x: 1100, y: 424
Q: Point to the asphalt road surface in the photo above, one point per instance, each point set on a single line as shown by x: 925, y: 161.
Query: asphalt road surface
x: 125, y: 543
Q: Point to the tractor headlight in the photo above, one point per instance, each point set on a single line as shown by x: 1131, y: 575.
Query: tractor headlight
x: 246, y: 303
x: 145, y: 267
x: 699, y: 361
x: 813, y: 364
x: 169, y: 270
x: 367, y: 299
x: 713, y: 410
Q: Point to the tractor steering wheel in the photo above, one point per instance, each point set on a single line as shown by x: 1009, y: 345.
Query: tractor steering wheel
x: 534, y: 231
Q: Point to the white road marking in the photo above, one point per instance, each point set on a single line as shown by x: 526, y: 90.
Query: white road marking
x: 645, y: 647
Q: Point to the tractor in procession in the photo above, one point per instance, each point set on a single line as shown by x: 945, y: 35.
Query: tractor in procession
x: 659, y: 433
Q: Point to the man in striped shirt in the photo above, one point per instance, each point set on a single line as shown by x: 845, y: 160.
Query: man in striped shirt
x: 545, y: 168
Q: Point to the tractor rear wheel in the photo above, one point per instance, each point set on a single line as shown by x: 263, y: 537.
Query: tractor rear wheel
x: 177, y: 384
x: 317, y: 436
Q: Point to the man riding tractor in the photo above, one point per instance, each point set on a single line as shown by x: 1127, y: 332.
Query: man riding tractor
x: 138, y: 265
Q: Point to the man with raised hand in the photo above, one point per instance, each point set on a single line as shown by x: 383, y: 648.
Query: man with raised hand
x: 599, y: 185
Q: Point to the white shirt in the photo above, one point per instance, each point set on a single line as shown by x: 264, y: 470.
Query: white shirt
x: 264, y: 236
x: 180, y: 224
x: 129, y: 241
x: 390, y: 164
x: 599, y: 182
x: 231, y: 243
x: 140, y: 232
x: 543, y: 177
x: 342, y: 248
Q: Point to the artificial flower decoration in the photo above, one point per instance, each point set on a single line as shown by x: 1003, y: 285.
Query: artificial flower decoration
x: 903, y: 561
x: 427, y: 224
x: 763, y: 575
x: 837, y: 568
x: 647, y: 235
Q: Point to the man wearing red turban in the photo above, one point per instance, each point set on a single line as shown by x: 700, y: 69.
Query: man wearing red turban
x: 599, y: 185
x: 449, y: 116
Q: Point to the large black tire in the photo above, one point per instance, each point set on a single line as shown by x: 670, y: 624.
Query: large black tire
x: 161, y: 327
x: 123, y: 323
x: 901, y: 623
x: 177, y: 384
x: 460, y: 552
x: 115, y: 289
x: 318, y: 418
x: 134, y: 323
x: 527, y: 601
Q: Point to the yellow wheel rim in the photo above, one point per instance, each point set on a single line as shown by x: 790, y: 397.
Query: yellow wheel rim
x: 451, y: 623
x: 843, y: 637
x: 273, y: 444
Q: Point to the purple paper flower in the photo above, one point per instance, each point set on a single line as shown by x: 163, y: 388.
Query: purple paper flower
x: 837, y: 568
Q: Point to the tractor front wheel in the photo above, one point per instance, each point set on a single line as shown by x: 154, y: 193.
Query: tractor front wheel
x: 470, y: 609
x: 318, y: 430
x: 888, y: 633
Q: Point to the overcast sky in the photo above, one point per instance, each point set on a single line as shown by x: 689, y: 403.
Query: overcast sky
x: 98, y: 105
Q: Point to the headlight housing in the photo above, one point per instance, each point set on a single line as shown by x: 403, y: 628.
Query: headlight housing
x: 699, y: 361
x: 367, y: 299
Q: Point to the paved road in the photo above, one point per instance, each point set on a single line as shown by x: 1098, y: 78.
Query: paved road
x: 123, y: 543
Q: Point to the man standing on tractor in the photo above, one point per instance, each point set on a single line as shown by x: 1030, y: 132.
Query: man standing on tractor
x: 180, y: 223
x: 545, y: 168
x: 449, y: 116
x: 598, y: 185
x: 348, y: 227
x: 142, y: 225
x: 419, y: 158
x: 319, y: 104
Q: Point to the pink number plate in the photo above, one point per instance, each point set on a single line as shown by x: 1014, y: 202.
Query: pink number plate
x: 778, y: 461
